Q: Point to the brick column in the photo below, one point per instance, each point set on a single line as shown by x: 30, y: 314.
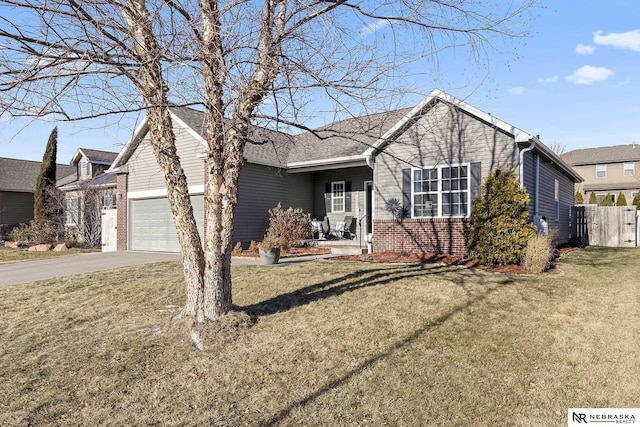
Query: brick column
x: 121, y: 205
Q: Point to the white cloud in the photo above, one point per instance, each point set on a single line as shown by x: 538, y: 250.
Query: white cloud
x: 373, y: 27
x: 548, y: 80
x: 588, y: 75
x: 516, y: 91
x: 629, y: 40
x: 584, y: 49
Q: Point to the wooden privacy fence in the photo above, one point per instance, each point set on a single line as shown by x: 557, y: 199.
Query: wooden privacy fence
x: 614, y: 226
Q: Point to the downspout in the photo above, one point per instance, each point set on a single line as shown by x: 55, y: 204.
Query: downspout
x: 537, y: 203
x: 371, y: 163
x: 521, y: 165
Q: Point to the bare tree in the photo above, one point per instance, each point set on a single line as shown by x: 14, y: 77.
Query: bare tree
x: 246, y: 62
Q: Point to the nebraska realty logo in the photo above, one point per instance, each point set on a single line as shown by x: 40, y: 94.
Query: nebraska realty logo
x: 600, y: 416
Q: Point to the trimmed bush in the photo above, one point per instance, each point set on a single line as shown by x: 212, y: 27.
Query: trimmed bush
x: 539, y: 255
x: 622, y: 200
x: 499, y: 226
x: 636, y: 201
x: 593, y: 199
x: 292, y: 225
x: 578, y: 199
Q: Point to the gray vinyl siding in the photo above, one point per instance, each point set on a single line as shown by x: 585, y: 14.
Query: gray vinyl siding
x: 357, y: 177
x: 443, y: 136
x: 530, y: 181
x: 145, y: 174
x: 546, y: 195
x: 261, y: 188
x: 560, y: 228
x: 15, y: 208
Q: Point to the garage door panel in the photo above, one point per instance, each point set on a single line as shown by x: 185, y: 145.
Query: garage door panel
x: 151, y: 224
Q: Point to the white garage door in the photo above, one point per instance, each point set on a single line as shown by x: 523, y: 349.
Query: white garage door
x: 151, y: 224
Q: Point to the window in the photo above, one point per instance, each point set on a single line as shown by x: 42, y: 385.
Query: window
x: 109, y: 201
x: 84, y: 168
x: 441, y: 191
x: 71, y: 211
x: 337, y: 196
x: 629, y: 169
x: 601, y: 171
x: 556, y: 200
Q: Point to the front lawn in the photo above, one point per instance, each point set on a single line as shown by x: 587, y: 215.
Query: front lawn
x: 23, y: 254
x: 333, y: 343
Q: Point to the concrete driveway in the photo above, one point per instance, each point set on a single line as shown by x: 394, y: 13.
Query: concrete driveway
x: 14, y: 273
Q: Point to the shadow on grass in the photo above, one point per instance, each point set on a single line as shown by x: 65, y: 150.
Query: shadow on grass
x: 363, y: 279
x: 351, y: 282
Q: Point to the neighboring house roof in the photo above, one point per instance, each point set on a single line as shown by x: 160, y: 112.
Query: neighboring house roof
x: 344, y: 143
x: 21, y: 175
x: 99, y: 157
x: 598, y: 155
x: 106, y: 179
x: 94, y: 156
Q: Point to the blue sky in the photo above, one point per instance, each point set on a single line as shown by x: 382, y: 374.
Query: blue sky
x: 574, y: 82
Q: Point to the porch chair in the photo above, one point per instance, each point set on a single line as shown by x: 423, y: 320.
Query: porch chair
x: 345, y: 229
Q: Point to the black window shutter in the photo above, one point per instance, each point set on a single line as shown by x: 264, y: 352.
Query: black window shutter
x: 347, y: 196
x: 327, y: 197
x: 406, y: 192
x: 476, y: 179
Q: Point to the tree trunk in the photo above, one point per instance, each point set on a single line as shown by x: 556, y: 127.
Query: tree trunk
x: 154, y: 93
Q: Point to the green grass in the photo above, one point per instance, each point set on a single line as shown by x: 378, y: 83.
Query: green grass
x: 23, y: 254
x: 332, y: 344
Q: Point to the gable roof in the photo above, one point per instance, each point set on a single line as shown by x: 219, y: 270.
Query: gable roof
x: 21, y: 175
x: 519, y: 136
x: 611, y: 154
x: 267, y: 147
x: 94, y: 156
x: 344, y: 143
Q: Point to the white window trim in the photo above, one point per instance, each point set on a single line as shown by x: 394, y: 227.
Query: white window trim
x: 604, y: 169
x: 440, y: 192
x: 632, y: 169
x: 334, y: 184
x: 84, y: 168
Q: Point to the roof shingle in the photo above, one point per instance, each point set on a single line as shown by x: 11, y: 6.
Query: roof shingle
x: 20, y: 175
x: 611, y: 154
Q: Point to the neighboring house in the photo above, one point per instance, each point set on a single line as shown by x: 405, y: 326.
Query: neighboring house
x: 607, y: 170
x: 431, y: 159
x: 87, y: 190
x: 17, y: 184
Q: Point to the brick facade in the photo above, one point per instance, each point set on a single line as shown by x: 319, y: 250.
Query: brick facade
x: 439, y: 235
x: 121, y: 205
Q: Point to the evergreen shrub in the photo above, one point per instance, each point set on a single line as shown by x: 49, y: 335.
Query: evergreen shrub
x: 607, y: 201
x: 500, y: 228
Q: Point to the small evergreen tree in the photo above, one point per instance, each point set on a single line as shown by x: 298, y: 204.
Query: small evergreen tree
x: 500, y: 227
x: 46, y: 179
x: 593, y: 200
x: 607, y: 201
x: 578, y: 200
x: 636, y: 201
x: 622, y: 200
